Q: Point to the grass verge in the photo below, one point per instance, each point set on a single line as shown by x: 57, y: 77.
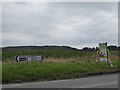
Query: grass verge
x: 44, y: 71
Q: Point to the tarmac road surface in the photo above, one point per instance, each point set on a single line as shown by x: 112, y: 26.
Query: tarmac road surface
x: 99, y: 81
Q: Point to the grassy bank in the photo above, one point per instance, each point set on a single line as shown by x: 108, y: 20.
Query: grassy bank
x: 57, y: 64
x: 44, y: 71
x: 56, y: 54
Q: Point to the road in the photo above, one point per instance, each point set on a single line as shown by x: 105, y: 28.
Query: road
x: 100, y: 81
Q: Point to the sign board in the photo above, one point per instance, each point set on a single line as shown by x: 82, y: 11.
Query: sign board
x: 28, y: 58
x: 103, y: 52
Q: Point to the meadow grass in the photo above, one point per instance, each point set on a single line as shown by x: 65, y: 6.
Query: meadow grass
x: 56, y: 54
x: 70, y: 64
x: 44, y: 71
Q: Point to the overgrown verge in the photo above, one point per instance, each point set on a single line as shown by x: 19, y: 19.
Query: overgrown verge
x: 44, y: 71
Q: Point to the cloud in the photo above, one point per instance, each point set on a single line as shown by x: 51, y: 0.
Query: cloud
x: 61, y: 23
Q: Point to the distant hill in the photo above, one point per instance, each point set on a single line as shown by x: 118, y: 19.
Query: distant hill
x: 27, y: 48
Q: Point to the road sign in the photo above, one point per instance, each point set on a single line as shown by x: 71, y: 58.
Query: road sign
x: 28, y: 58
x: 103, y: 53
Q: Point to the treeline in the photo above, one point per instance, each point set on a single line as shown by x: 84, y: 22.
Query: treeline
x: 29, y: 48
x: 111, y: 48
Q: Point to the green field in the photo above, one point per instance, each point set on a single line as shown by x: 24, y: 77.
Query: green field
x: 58, y: 64
x: 47, y: 53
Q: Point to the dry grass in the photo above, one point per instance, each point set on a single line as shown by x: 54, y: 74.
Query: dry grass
x: 53, y: 68
x: 91, y: 58
x: 87, y: 56
x: 8, y: 62
x: 71, y: 59
x: 60, y: 60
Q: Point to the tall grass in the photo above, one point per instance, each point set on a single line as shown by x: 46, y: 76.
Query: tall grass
x: 57, y: 55
x: 42, y: 71
x: 57, y: 64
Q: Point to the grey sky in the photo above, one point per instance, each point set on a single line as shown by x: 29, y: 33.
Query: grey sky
x: 59, y: 23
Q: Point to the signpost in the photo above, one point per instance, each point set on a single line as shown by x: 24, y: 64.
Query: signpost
x: 103, y: 53
x: 28, y: 58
